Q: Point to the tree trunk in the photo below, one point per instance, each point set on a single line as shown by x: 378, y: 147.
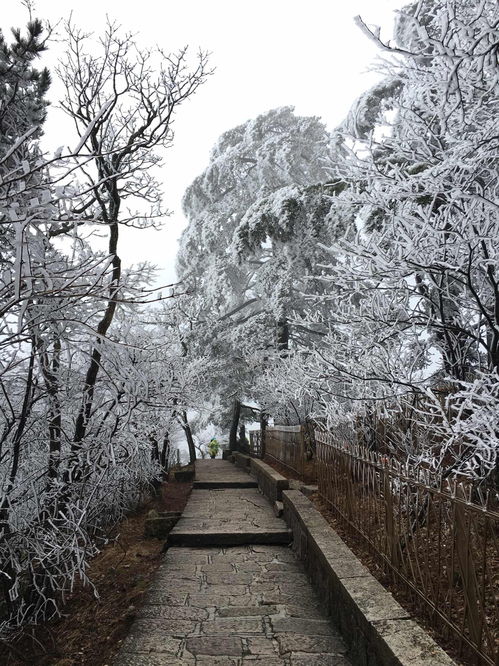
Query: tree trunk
x: 236, y: 413
x: 9, y: 578
x: 95, y: 359
x: 263, y: 428
x: 165, y: 455
x: 242, y: 439
x: 282, y: 335
x: 189, y: 438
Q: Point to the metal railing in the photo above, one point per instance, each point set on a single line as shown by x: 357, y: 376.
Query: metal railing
x: 438, y: 538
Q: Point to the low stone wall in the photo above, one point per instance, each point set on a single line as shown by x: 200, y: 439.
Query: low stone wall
x: 377, y: 630
x: 270, y: 482
x: 242, y: 460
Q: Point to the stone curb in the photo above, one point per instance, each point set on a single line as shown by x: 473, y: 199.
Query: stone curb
x: 159, y: 525
x: 241, y: 460
x: 270, y: 482
x: 184, y: 475
x: 377, y: 630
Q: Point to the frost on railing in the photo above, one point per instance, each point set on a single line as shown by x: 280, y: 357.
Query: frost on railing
x: 436, y: 535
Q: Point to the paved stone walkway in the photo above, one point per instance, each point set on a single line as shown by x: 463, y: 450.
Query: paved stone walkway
x: 230, y: 517
x: 221, y: 474
x: 230, y: 604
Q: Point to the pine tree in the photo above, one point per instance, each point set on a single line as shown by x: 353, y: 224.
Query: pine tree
x: 247, y: 243
x: 23, y: 87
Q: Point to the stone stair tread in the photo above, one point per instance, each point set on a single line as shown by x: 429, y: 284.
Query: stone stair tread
x: 192, y: 537
x: 220, y: 471
x: 223, y: 529
x: 207, y: 485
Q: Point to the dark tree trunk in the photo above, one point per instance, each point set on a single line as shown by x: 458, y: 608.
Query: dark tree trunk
x: 155, y: 457
x: 189, y: 438
x: 51, y: 375
x: 10, y: 577
x: 282, y: 335
x: 242, y: 439
x: 154, y: 448
x: 263, y: 428
x: 165, y: 455
x: 95, y: 360
x: 236, y: 413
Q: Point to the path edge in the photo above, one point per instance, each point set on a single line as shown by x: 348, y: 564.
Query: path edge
x: 376, y: 629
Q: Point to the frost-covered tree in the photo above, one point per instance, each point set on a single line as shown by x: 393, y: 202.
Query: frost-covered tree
x: 418, y: 288
x: 76, y: 448
x: 22, y: 110
x: 244, y: 210
x: 251, y: 161
x: 283, y: 238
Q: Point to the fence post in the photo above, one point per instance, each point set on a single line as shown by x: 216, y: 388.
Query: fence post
x: 263, y: 429
x: 301, y: 452
x: 436, y: 541
x: 466, y: 569
x: 389, y: 516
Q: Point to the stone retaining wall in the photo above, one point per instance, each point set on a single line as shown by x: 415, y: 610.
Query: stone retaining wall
x: 377, y: 630
x: 241, y: 460
x: 270, y: 482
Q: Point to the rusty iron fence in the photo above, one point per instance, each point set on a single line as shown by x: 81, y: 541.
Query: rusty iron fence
x: 439, y: 539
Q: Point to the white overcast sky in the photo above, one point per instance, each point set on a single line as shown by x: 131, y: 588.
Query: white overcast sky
x: 267, y: 53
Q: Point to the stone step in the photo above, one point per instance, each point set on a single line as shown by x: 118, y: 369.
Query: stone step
x: 262, y: 536
x: 220, y: 484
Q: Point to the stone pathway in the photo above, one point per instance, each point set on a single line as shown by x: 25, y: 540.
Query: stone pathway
x: 221, y: 474
x: 230, y: 604
x: 230, y: 517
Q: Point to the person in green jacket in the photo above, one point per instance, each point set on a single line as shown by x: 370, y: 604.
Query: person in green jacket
x: 213, y: 447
